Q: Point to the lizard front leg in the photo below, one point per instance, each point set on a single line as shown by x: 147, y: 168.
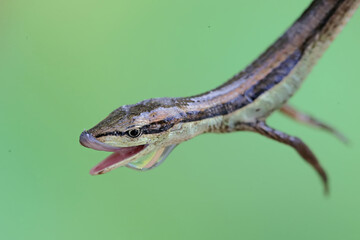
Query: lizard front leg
x: 309, y: 120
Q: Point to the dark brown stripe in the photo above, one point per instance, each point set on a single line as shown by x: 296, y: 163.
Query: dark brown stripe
x: 153, y: 128
x: 251, y: 95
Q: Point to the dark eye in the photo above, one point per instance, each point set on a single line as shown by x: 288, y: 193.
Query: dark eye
x: 134, y: 133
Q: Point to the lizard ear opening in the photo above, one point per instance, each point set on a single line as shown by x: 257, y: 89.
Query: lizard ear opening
x: 151, y: 160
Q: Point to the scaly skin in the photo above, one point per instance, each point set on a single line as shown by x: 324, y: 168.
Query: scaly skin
x: 241, y: 104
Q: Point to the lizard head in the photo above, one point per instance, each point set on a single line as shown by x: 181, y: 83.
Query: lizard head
x: 140, y: 135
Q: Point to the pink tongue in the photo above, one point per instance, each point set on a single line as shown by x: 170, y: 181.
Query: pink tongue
x: 116, y: 157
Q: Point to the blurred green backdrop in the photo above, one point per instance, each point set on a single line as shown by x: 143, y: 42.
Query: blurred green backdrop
x: 64, y: 65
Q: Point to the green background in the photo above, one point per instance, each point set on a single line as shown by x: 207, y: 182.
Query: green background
x: 64, y: 65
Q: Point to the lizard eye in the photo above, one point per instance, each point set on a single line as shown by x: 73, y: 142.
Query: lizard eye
x: 134, y: 133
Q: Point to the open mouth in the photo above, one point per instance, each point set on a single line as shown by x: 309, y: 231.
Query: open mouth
x: 117, y: 159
